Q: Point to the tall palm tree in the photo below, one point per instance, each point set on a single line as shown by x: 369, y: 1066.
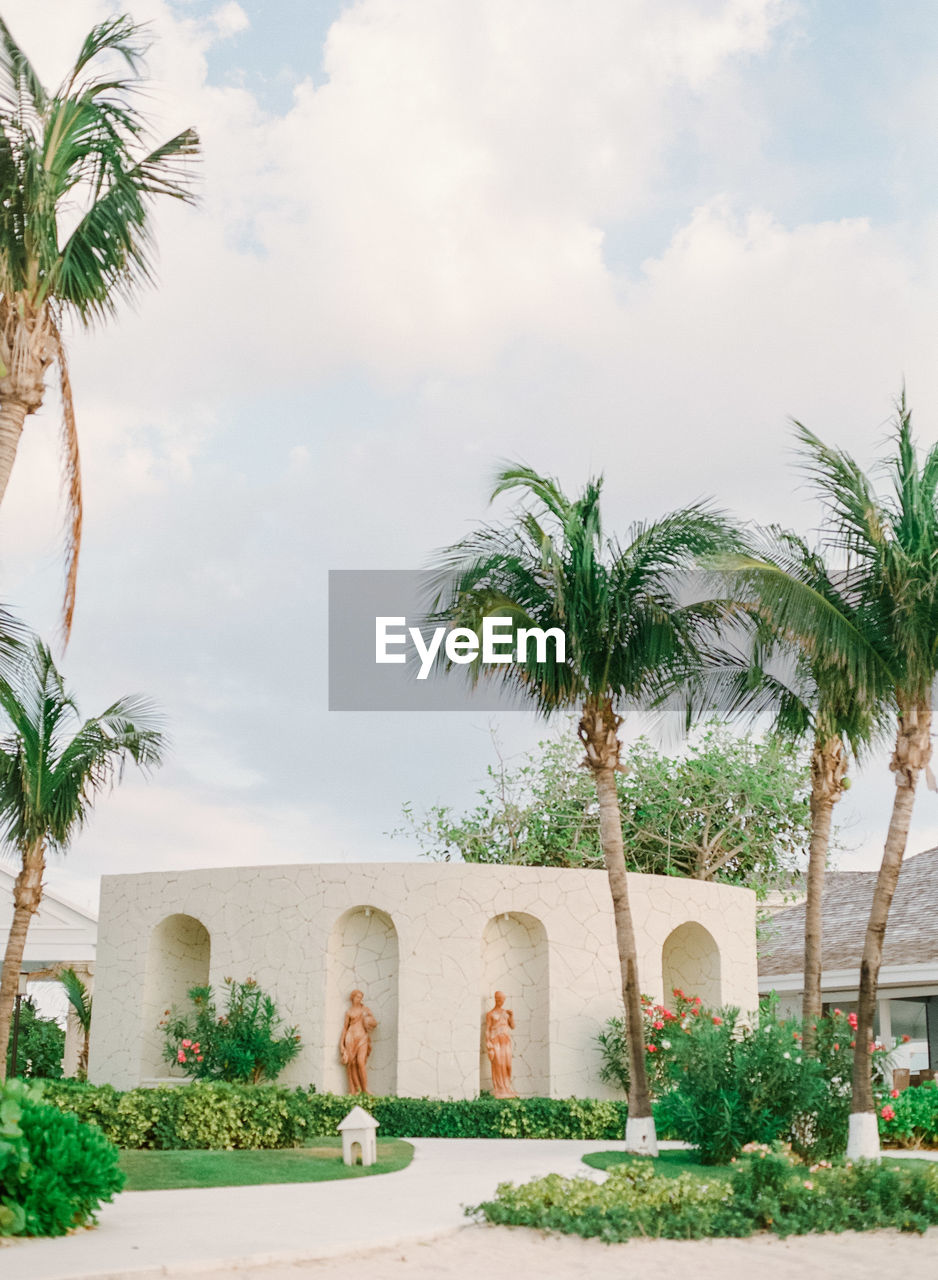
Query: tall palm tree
x: 626, y: 633
x: 805, y: 691
x: 885, y: 641
x: 52, y: 768
x: 77, y: 181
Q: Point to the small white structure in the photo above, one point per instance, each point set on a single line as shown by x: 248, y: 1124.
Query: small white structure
x: 359, y: 1129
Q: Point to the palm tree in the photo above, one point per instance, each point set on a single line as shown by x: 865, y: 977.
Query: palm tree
x: 81, y: 1004
x: 808, y: 695
x: 50, y: 775
x: 77, y: 180
x: 625, y: 630
x: 885, y: 642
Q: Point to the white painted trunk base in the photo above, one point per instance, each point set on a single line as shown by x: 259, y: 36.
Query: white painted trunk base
x: 863, y: 1137
x: 640, y: 1136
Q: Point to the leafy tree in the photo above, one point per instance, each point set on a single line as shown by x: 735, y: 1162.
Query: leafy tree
x: 39, y: 1047
x: 626, y: 631
x: 733, y: 809
x: 77, y: 181
x: 51, y: 771
x: 244, y: 1044
x: 81, y: 1004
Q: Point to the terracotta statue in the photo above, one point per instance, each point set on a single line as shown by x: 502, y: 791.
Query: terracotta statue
x: 355, y: 1042
x: 499, y: 1024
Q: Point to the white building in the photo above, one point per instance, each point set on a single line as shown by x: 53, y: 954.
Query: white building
x: 907, y: 1010
x: 60, y: 935
x: 428, y: 944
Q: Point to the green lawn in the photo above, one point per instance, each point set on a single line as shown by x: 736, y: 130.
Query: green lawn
x: 321, y: 1161
x: 668, y: 1163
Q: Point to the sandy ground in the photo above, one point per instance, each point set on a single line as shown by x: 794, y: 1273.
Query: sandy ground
x: 513, y: 1253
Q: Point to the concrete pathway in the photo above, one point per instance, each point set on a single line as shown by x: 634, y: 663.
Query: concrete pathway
x: 229, y: 1229
x: 223, y: 1228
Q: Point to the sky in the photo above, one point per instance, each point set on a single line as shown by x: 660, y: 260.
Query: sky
x: 614, y: 236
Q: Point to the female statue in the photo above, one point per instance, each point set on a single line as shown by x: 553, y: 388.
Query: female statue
x: 355, y: 1042
x: 499, y: 1024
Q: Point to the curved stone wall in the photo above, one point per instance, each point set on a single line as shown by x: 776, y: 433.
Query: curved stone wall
x: 428, y: 944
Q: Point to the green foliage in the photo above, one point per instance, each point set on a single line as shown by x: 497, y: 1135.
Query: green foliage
x: 735, y: 1084
x: 242, y: 1044
x: 911, y: 1117
x: 55, y: 1171
x: 321, y: 1162
x: 227, y: 1116
x: 40, y: 1045
x: 767, y: 1190
x: 732, y: 808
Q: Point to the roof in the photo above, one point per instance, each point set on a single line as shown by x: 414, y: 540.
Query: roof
x: 911, y: 932
x: 59, y: 933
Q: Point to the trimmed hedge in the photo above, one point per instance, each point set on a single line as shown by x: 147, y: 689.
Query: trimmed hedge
x: 914, y: 1121
x: 216, y: 1116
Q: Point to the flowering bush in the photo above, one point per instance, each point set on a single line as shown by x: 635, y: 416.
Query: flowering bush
x: 242, y: 1044
x: 661, y: 1026
x: 912, y: 1119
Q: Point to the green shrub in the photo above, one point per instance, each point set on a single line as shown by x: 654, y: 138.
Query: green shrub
x: 55, y: 1171
x: 220, y: 1116
x: 244, y: 1043
x: 913, y: 1117
x: 766, y: 1191
x: 40, y: 1045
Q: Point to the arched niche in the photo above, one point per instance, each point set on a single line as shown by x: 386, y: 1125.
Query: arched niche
x: 514, y: 960
x: 690, y: 960
x: 177, y: 959
x: 363, y: 953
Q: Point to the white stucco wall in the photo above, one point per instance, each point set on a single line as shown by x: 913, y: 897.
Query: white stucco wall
x: 302, y: 933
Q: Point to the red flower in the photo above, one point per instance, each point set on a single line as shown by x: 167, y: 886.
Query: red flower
x: 717, y: 1022
x: 659, y: 1025
x: 838, y: 1013
x: 852, y: 1019
x: 906, y: 1039
x: 887, y: 1113
x: 836, y: 1047
x: 652, y: 1048
x: 894, y: 1093
x: 853, y: 1044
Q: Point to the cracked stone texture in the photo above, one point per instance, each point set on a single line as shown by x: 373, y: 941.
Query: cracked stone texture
x: 428, y: 958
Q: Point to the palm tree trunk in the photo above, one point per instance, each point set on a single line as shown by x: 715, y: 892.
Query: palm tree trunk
x: 12, y: 416
x: 911, y: 755
x: 27, y: 892
x: 828, y: 769
x: 599, y: 733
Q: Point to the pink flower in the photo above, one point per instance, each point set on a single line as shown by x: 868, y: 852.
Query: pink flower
x: 195, y: 1048
x: 652, y: 1048
x: 838, y: 1013
x: 186, y: 1044
x: 198, y: 1057
x: 836, y: 1047
x: 894, y: 1093
x: 717, y: 1022
x: 659, y: 1025
x: 887, y: 1113
x: 180, y: 1056
x: 852, y: 1019
x: 809, y: 1185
